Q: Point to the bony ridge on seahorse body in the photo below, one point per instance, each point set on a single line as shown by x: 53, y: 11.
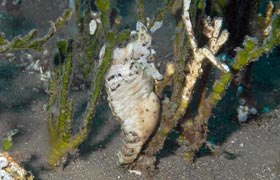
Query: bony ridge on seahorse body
x: 129, y: 85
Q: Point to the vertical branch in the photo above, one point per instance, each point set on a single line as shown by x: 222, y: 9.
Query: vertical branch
x: 180, y: 59
x: 52, y: 88
x: 170, y: 121
x: 195, y: 71
x: 104, y: 8
x: 66, y: 49
x: 159, y: 15
x: 140, y: 11
x: 111, y: 39
x: 188, y: 25
x: 175, y: 70
x: 91, y: 46
x: 216, y: 40
x: 96, y: 89
x: 59, y: 123
x: 61, y: 140
x: 68, y: 121
x: 195, y: 131
x: 79, y: 19
x: 52, y: 96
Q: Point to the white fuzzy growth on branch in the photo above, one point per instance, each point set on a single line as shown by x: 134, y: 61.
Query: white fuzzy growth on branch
x: 208, y: 54
x: 216, y: 40
x: 188, y: 24
x: 157, y: 25
x: 92, y: 27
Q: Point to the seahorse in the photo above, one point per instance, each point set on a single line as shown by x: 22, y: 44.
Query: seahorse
x: 129, y: 85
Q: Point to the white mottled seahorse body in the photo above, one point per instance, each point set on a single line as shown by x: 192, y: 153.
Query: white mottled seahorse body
x: 129, y: 84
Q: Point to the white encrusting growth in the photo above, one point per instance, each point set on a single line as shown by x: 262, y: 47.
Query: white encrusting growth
x: 212, y: 30
x: 244, y: 111
x: 156, y: 26
x: 3, y: 162
x: 92, y: 26
x: 10, y: 170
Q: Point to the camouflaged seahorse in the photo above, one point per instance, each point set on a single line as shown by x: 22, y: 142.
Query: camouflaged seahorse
x: 129, y: 84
